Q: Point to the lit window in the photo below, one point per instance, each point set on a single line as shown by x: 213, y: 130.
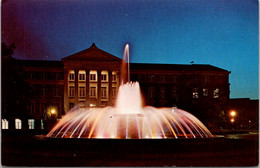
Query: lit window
x: 42, y: 124
x: 216, y: 93
x: 71, y: 76
x: 18, y: 124
x: 114, y: 92
x: 205, y: 92
x: 71, y: 91
x: 92, y: 77
x: 103, y: 92
x: 82, y: 92
x: 103, y: 77
x: 4, y: 124
x: 113, y: 78
x: 92, y: 91
x: 195, y: 93
x: 92, y: 105
x: 82, y: 77
x: 31, y: 123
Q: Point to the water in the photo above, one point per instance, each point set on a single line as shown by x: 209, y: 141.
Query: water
x: 129, y: 119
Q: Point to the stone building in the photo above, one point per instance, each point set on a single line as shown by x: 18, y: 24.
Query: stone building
x: 92, y: 77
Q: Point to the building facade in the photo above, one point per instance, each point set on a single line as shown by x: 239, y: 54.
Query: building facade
x: 92, y: 77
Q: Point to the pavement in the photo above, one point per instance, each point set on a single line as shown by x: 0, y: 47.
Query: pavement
x: 228, y: 150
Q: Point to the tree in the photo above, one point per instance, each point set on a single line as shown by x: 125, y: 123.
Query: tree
x: 15, y: 92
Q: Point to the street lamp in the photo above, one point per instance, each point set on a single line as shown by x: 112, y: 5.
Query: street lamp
x: 232, y: 120
x: 53, y: 111
x: 233, y: 114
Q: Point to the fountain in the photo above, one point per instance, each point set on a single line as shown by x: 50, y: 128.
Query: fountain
x: 129, y: 119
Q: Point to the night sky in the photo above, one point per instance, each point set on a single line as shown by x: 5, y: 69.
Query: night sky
x: 223, y: 33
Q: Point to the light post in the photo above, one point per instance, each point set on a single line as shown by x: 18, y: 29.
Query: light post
x: 232, y: 120
x: 53, y: 113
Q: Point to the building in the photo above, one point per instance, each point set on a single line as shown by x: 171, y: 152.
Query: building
x: 247, y: 115
x: 92, y: 77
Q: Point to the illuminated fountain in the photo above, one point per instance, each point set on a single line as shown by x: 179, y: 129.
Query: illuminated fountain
x: 129, y: 119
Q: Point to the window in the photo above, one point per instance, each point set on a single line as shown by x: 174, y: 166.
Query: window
x: 195, y: 93
x: 71, y: 91
x: 43, y: 75
x: 216, y: 93
x: 174, y: 78
x: 42, y: 124
x: 18, y: 124
x: 113, y: 92
x: 141, y: 78
x: 82, y: 77
x: 43, y: 108
x: 151, y: 78
x: 103, y: 77
x: 103, y: 92
x: 31, y: 75
x: 43, y: 91
x: 92, y: 91
x: 92, y: 77
x: 56, y: 92
x: 174, y: 91
x: 31, y: 123
x: 162, y: 78
x: 32, y: 108
x: 4, y: 124
x: 162, y: 93
x: 92, y: 104
x: 71, y: 105
x: 71, y: 76
x: 114, y: 78
x: 206, y: 79
x: 82, y: 92
x: 205, y: 92
x: 151, y: 93
x: 196, y: 79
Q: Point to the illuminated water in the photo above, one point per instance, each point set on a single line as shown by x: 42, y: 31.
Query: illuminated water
x: 129, y: 119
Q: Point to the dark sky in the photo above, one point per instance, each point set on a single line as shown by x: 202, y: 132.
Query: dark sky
x: 223, y: 33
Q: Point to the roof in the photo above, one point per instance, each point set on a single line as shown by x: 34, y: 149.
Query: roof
x: 40, y: 63
x: 92, y: 54
x: 176, y: 67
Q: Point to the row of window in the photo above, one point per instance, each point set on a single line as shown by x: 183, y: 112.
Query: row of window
x: 175, y: 78
x: 195, y: 93
x: 92, y: 92
x: 18, y: 124
x: 205, y: 93
x: 92, y: 77
x: 56, y: 92
x: 44, y: 75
